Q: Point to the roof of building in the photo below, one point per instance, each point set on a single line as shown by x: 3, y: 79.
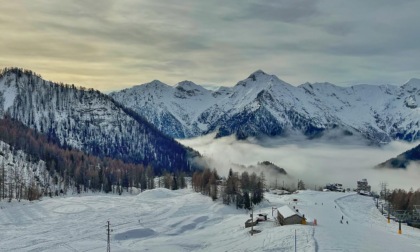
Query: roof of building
x: 287, y: 211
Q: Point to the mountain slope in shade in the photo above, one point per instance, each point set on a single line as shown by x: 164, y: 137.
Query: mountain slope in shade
x: 87, y: 120
x: 262, y: 104
x: 403, y: 160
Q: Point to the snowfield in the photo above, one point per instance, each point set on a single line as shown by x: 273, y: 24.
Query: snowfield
x: 164, y: 220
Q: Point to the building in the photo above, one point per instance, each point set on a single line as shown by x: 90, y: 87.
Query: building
x: 336, y: 187
x: 363, y: 186
x: 288, y: 216
x: 279, y: 192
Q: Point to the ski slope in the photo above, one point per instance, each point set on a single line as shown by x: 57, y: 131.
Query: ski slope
x: 164, y: 220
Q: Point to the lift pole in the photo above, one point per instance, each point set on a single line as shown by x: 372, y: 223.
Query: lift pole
x: 108, y: 247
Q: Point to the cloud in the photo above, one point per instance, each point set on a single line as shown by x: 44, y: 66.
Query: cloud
x: 280, y: 10
x: 316, y: 162
x: 111, y: 45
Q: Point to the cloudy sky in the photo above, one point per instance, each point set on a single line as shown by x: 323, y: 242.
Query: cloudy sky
x: 110, y: 45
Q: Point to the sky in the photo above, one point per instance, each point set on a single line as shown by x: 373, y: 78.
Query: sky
x: 111, y: 45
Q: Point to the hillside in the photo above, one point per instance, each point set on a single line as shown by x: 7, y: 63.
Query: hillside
x: 264, y: 105
x: 87, y: 120
x: 31, y: 160
x: 21, y: 176
x: 164, y: 220
x: 403, y: 160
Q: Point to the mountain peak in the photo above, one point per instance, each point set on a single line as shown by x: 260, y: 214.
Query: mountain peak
x: 412, y: 83
x: 156, y: 82
x: 257, y: 74
x: 18, y: 71
x: 191, y: 87
x: 153, y: 84
x: 188, y: 85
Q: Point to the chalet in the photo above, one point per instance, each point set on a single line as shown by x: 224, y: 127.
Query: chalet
x: 288, y: 216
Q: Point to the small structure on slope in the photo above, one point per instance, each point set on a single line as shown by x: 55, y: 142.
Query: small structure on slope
x: 363, y: 187
x: 335, y: 187
x: 289, y: 216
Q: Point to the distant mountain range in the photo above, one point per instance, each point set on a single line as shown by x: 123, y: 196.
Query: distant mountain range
x: 403, y: 160
x: 87, y: 120
x: 264, y: 105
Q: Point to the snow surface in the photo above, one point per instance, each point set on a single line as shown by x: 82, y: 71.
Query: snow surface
x: 163, y: 220
x: 287, y: 212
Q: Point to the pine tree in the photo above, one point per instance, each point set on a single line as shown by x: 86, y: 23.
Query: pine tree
x: 167, y: 180
x: 213, y: 185
x: 247, y: 201
x: 174, y: 183
x: 301, y: 185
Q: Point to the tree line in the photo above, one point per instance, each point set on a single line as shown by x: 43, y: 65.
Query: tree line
x: 243, y: 189
x: 65, y: 168
x: 404, y: 200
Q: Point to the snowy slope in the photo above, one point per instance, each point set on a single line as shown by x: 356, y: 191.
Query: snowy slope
x: 262, y: 104
x: 403, y: 160
x: 87, y: 120
x: 163, y: 220
x: 164, y: 106
x: 21, y: 169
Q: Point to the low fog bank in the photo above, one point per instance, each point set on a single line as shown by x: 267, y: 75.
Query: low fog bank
x: 316, y: 162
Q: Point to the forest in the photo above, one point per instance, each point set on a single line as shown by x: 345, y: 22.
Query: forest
x: 401, y: 199
x: 243, y: 189
x: 88, y: 120
x: 67, y: 168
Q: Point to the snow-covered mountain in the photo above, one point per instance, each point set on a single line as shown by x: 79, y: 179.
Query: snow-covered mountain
x: 262, y: 104
x: 87, y: 120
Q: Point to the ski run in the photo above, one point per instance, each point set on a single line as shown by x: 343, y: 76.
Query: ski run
x: 164, y: 220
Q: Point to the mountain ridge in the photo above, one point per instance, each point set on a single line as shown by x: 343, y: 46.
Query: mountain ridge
x: 263, y: 104
x: 87, y: 120
x: 403, y: 160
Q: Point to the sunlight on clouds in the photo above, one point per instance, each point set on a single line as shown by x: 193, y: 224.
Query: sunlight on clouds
x: 211, y: 42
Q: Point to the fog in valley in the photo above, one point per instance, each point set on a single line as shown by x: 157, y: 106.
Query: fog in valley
x: 316, y: 162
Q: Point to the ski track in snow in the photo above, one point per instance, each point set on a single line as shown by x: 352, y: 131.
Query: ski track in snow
x: 164, y: 220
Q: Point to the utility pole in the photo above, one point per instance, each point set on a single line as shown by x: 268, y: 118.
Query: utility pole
x: 385, y: 192
x: 3, y: 181
x: 389, y: 209
x: 108, y: 247
x: 399, y: 227
x: 252, y: 218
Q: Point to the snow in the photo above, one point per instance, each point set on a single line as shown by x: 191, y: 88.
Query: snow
x: 163, y: 220
x: 8, y: 92
x: 287, y: 212
x: 379, y: 112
